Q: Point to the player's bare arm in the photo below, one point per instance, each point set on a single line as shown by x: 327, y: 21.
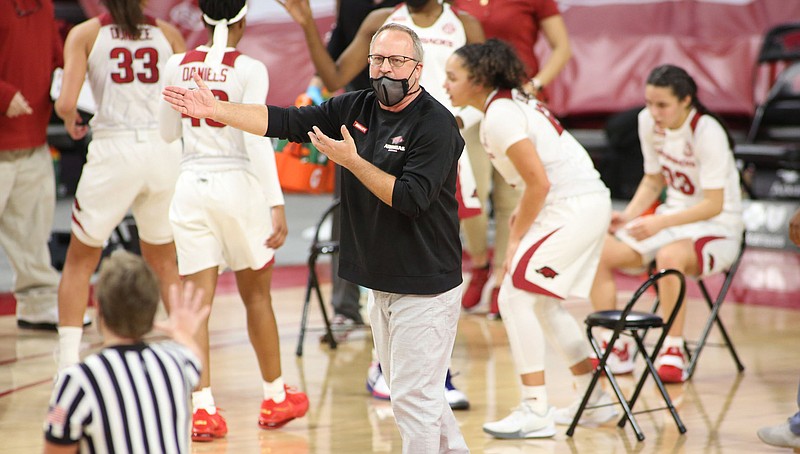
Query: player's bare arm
x: 472, y: 28
x: 344, y: 153
x: 76, y: 54
x: 334, y: 74
x: 201, y: 103
x: 173, y: 36
x: 279, y: 227
x: 527, y: 162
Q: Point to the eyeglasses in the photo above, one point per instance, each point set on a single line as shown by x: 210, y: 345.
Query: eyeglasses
x: 395, y: 61
x: 27, y: 7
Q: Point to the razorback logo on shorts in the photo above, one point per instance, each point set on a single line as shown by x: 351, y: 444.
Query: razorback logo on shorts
x: 547, y: 272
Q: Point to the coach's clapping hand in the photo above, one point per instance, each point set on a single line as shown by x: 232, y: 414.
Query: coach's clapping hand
x: 199, y: 103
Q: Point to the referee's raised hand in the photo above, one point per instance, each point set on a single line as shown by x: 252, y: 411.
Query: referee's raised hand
x: 197, y: 103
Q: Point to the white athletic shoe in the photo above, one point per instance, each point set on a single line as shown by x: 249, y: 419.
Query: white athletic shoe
x: 376, y: 383
x: 590, y: 417
x: 523, y: 423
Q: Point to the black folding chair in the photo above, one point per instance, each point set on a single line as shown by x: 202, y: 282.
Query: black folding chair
x: 694, y: 347
x: 634, y: 324
x: 714, y: 305
x: 318, y: 248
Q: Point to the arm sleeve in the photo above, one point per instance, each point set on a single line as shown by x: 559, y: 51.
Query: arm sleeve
x: 431, y: 159
x: 294, y: 123
x: 68, y: 408
x: 646, y: 124
x: 504, y: 125
x: 713, y: 153
x: 259, y: 149
x: 169, y: 119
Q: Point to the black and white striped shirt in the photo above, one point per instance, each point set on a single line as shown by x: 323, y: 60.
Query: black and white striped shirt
x: 126, y: 398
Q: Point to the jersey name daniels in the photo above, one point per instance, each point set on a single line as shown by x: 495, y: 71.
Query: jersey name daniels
x: 207, y: 74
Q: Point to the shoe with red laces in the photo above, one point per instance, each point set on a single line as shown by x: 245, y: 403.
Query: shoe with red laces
x: 671, y: 365
x: 620, y: 361
x: 275, y: 415
x: 206, y: 426
x: 494, y: 308
x: 472, y: 295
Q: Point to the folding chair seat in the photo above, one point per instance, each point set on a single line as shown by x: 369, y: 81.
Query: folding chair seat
x: 318, y: 247
x: 634, y: 324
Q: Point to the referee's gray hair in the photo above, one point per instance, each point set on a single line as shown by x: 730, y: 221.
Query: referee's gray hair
x: 419, y: 54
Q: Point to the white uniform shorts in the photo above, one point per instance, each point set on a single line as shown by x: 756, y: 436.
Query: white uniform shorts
x: 125, y: 170
x: 220, y: 219
x: 716, y: 242
x: 558, y: 256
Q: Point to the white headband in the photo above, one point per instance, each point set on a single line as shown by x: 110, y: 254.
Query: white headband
x: 214, y: 56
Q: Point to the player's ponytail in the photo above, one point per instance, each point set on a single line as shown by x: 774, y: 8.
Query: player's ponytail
x: 127, y: 14
x: 683, y: 85
x: 220, y: 14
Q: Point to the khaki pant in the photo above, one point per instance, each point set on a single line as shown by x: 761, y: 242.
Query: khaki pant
x: 27, y: 205
x: 414, y: 336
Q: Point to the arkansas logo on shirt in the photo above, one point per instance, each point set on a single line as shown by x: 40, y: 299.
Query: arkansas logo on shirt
x: 394, y: 144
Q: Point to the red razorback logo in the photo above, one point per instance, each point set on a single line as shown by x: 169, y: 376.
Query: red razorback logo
x: 547, y: 272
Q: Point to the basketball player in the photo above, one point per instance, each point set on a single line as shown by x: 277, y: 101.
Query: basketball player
x: 441, y: 31
x: 128, y: 165
x: 556, y: 233
x: 130, y: 396
x: 228, y: 209
x: 697, y: 230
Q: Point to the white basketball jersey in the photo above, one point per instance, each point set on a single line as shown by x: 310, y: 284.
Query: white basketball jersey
x: 439, y: 41
x: 693, y: 157
x: 125, y: 76
x: 510, y: 118
x: 208, y: 145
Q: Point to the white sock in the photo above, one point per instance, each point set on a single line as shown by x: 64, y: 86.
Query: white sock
x: 673, y: 341
x: 582, y: 384
x: 274, y: 390
x: 204, y: 400
x: 69, y: 346
x: 536, y: 398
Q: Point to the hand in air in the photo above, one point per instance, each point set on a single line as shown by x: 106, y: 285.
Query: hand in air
x: 197, y: 103
x: 300, y: 10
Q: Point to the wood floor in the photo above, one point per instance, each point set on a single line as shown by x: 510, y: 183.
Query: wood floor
x: 721, y: 409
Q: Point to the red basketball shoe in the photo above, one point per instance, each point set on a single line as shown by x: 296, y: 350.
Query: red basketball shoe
x: 671, y: 365
x: 472, y: 295
x: 275, y: 415
x: 206, y: 427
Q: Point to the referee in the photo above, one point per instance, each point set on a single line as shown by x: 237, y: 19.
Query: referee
x: 130, y: 396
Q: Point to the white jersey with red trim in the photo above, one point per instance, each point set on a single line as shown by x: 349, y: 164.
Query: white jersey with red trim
x: 125, y: 75
x: 511, y: 117
x: 694, y: 157
x: 439, y: 41
x: 212, y: 146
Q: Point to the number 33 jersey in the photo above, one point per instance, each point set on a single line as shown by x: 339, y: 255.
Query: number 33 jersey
x: 692, y: 158
x: 125, y: 75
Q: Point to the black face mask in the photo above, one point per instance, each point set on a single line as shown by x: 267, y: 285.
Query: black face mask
x: 390, y: 91
x: 416, y: 3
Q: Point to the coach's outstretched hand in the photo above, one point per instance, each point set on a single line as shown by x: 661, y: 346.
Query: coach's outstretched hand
x: 199, y: 103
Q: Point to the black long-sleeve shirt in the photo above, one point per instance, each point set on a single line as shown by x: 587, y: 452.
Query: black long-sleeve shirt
x: 412, y: 247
